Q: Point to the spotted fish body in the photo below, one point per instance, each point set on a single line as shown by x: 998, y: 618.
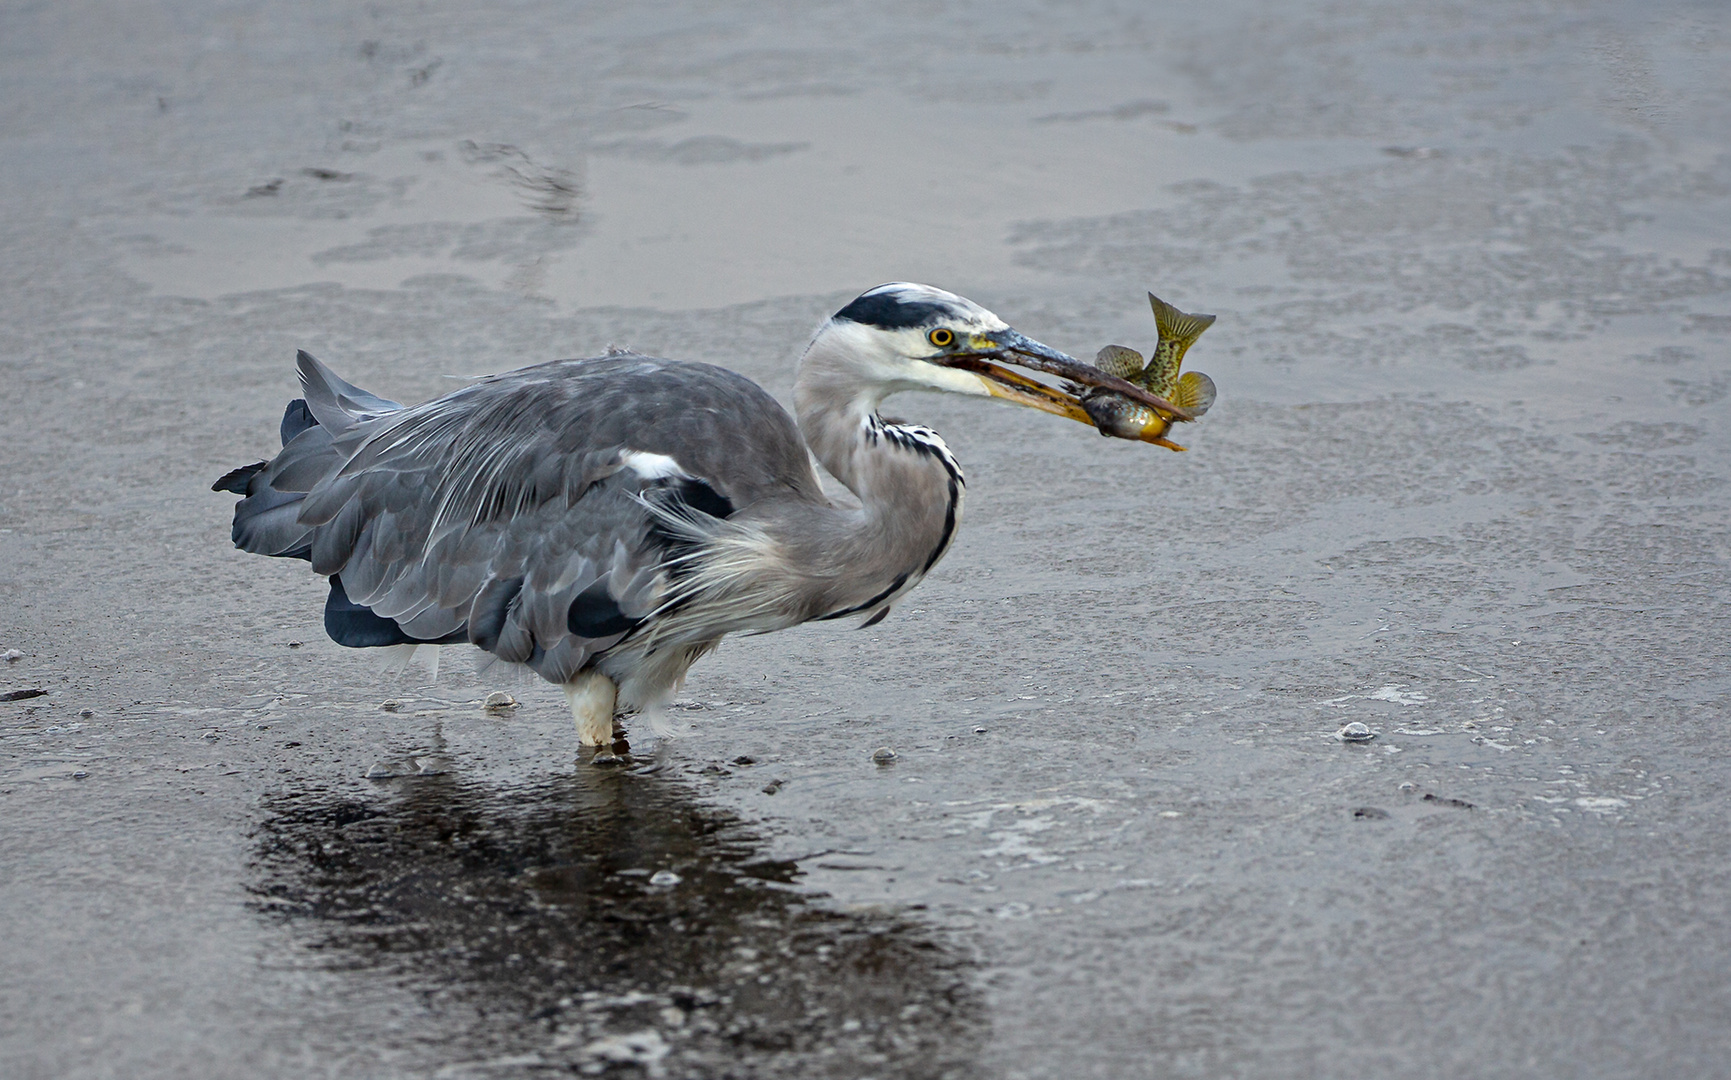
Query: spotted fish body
x: 1120, y: 417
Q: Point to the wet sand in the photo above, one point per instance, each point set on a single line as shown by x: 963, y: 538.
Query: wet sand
x: 1465, y: 484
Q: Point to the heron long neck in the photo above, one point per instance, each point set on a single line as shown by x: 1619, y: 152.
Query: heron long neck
x: 908, y: 484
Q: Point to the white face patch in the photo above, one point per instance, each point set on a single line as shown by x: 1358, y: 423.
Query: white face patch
x: 650, y: 466
x: 892, y: 358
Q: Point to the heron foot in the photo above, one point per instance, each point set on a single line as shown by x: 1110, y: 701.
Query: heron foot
x: 592, y: 697
x: 617, y: 752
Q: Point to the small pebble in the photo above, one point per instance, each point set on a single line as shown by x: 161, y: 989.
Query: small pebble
x: 745, y: 759
x: 211, y: 736
x: 883, y: 755
x: 772, y: 787
x: 606, y: 759
x: 664, y: 879
x: 979, y: 731
x: 87, y: 714
x: 294, y: 644
x: 1356, y: 732
x: 499, y: 701
x: 390, y: 706
x: 79, y: 775
x: 426, y: 766
x: 381, y: 771
x: 12, y: 656
x: 1369, y: 813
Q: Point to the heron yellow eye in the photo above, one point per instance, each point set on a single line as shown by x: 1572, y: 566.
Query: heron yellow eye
x: 941, y: 338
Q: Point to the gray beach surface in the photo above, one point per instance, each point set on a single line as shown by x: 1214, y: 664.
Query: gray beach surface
x: 1465, y: 484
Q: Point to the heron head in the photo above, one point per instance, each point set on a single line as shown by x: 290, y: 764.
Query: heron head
x: 903, y: 336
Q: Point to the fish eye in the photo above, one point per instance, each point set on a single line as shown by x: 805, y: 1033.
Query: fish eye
x: 941, y: 337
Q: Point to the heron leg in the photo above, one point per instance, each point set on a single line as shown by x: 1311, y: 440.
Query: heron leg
x: 592, y: 696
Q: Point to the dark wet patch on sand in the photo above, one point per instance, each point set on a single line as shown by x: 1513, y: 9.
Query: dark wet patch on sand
x: 604, y: 923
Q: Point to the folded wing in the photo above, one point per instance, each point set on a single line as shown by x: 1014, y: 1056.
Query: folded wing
x: 512, y: 513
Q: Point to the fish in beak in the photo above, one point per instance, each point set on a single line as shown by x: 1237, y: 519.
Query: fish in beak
x: 1124, y: 418
x: 985, y: 353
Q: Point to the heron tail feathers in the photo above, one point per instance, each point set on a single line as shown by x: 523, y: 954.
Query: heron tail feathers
x: 267, y: 520
x: 236, y: 480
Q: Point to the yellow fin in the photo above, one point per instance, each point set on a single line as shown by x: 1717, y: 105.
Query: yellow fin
x: 1195, y: 392
x: 1177, y: 327
x: 1177, y: 331
x: 1118, y: 360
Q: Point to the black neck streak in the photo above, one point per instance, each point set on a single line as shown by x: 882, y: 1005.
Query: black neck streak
x: 922, y: 442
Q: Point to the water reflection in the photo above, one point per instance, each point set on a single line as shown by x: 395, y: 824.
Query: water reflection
x: 542, y: 929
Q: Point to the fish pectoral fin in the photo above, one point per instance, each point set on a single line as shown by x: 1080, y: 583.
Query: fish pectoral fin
x: 1195, y: 392
x: 1119, y: 360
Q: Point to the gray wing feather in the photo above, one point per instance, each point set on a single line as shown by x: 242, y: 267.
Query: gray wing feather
x: 495, y: 506
x: 337, y: 405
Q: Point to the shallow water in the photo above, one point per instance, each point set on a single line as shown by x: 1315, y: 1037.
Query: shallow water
x: 598, y: 918
x: 1464, y: 485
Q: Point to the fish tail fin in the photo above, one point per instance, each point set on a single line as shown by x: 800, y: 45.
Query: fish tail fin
x: 1119, y: 360
x: 1195, y: 392
x: 1176, y: 326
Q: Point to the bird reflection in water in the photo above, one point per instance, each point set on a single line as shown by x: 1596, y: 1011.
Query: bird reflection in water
x: 606, y: 924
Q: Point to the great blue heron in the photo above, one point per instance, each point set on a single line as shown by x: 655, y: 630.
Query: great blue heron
x: 607, y: 521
